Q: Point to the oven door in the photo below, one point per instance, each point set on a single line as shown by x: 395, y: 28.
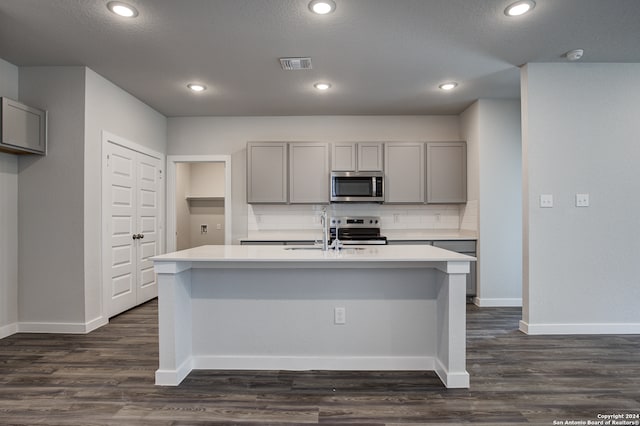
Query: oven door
x: 356, y: 187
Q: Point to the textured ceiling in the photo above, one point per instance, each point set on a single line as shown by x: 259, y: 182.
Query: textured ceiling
x: 381, y: 56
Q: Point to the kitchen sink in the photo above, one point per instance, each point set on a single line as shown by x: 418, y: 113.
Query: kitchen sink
x: 303, y: 248
x: 320, y: 248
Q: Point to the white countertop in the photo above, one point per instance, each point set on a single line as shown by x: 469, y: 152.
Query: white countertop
x: 391, y: 234
x: 278, y: 253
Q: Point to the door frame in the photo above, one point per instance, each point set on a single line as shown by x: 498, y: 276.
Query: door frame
x: 108, y: 137
x: 172, y: 161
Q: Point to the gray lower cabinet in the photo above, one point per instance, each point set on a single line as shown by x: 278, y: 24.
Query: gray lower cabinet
x: 308, y: 173
x: 23, y: 128
x: 267, y: 177
x: 467, y: 247
x: 404, y: 172
x: 446, y: 172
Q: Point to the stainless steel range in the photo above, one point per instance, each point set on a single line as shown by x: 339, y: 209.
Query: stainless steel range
x: 356, y: 230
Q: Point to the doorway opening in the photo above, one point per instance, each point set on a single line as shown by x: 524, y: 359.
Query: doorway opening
x: 198, y: 201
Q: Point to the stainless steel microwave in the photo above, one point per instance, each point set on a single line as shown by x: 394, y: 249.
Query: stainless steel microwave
x: 357, y: 187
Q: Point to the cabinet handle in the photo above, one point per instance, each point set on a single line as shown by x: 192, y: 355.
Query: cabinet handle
x: 141, y: 236
x: 134, y: 236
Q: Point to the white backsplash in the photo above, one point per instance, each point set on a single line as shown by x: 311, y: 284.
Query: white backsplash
x: 301, y: 217
x: 469, y: 216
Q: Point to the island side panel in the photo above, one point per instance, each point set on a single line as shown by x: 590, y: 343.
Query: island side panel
x: 174, y: 327
x: 451, y: 353
x: 284, y: 319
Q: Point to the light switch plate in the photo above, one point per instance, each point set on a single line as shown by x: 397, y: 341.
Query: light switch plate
x: 546, y: 200
x: 582, y: 200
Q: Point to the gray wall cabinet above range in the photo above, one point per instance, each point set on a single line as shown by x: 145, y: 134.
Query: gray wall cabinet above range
x: 23, y: 128
x: 357, y: 157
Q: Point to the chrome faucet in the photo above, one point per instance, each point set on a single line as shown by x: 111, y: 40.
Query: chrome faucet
x: 325, y: 230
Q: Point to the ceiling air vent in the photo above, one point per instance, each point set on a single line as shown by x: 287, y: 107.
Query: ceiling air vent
x: 294, y: 64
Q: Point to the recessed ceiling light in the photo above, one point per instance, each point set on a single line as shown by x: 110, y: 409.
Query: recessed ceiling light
x: 197, y: 87
x: 448, y: 86
x: 322, y: 7
x: 519, y: 8
x: 122, y: 9
x: 322, y: 86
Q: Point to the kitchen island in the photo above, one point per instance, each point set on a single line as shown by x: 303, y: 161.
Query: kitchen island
x: 299, y: 308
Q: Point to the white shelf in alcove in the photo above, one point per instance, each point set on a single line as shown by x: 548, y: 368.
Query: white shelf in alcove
x: 204, y: 198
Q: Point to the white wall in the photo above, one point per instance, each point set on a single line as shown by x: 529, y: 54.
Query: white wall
x: 60, y: 194
x: 207, y: 180
x: 580, y: 135
x: 492, y: 131
x: 50, y: 203
x: 229, y: 135
x: 8, y: 217
x: 183, y: 219
x: 109, y: 108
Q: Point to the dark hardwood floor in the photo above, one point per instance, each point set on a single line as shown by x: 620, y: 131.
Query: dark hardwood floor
x: 106, y: 378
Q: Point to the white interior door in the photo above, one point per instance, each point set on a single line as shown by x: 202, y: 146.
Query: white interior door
x: 132, y: 196
x: 148, y: 218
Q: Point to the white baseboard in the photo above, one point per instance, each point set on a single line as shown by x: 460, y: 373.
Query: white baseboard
x: 174, y: 377
x: 96, y: 323
x: 540, y: 329
x: 484, y: 302
x: 302, y: 363
x: 452, y: 379
x: 8, y: 330
x: 62, y: 327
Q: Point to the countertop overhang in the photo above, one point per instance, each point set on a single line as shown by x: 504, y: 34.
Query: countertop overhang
x: 278, y: 256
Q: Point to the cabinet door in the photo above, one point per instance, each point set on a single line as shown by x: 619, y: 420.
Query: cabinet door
x: 343, y: 157
x: 370, y: 158
x: 267, y: 172
x: 446, y: 172
x: 404, y: 172
x: 309, y: 172
x: 23, y: 128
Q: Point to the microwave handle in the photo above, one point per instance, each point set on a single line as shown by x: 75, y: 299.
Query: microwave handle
x: 375, y: 186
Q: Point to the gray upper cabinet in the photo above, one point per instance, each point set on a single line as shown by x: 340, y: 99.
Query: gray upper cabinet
x: 446, y: 172
x: 357, y: 156
x: 267, y: 172
x: 308, y: 172
x: 404, y: 172
x: 24, y: 128
x: 343, y: 157
x: 370, y: 156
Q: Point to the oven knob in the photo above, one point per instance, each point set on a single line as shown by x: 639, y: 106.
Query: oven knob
x: 376, y: 220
